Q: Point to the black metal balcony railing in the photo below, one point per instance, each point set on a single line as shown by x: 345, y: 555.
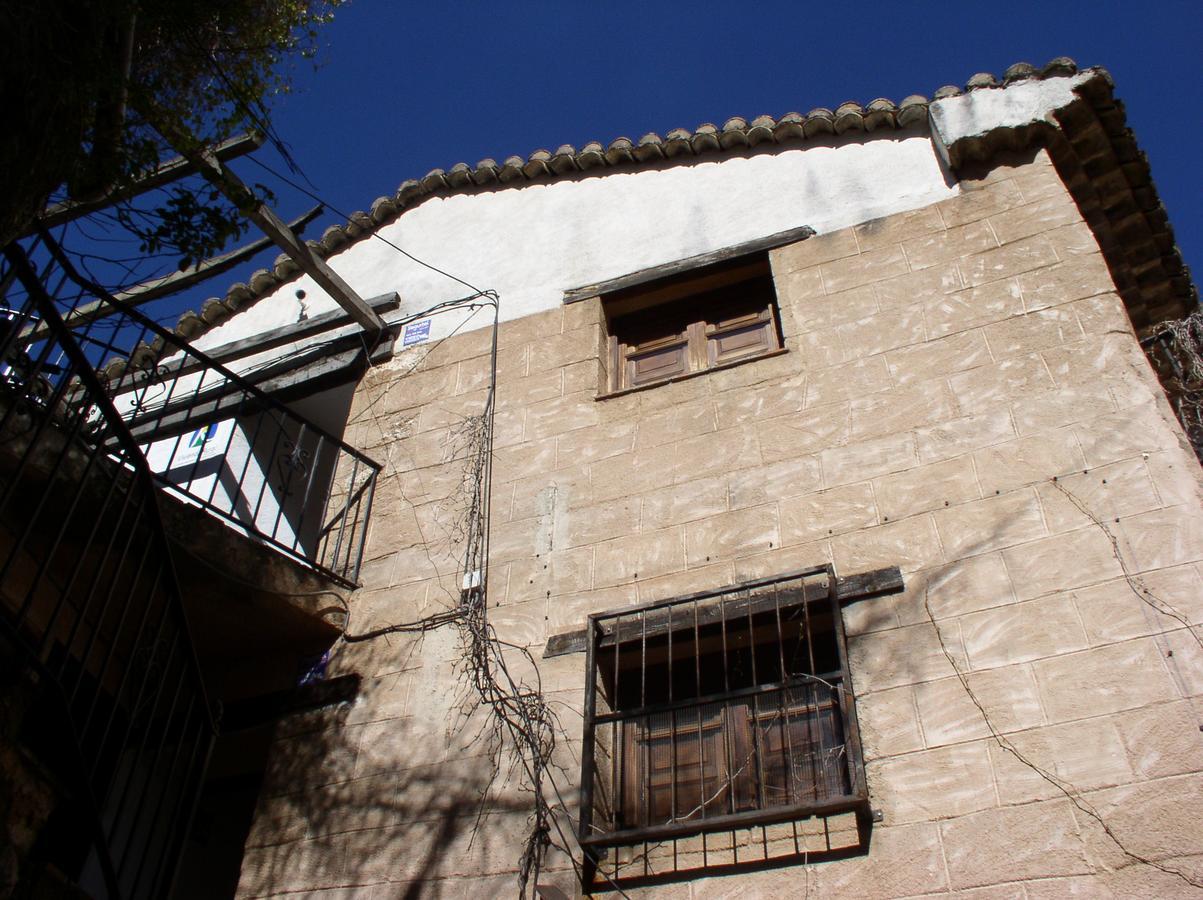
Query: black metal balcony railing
x: 117, y: 714
x: 97, y: 423
x: 210, y: 437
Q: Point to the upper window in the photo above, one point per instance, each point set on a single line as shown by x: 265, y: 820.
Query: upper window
x: 678, y: 326
x: 719, y: 711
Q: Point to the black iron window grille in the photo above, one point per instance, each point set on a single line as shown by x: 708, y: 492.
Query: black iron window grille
x: 719, y: 711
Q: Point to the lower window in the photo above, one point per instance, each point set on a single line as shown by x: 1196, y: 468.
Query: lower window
x: 776, y: 748
x: 718, y: 711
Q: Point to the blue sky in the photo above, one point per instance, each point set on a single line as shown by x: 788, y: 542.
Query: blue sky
x: 404, y: 88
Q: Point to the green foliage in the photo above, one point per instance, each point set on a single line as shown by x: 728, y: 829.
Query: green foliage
x: 211, y: 67
x: 192, y: 223
x: 104, y: 88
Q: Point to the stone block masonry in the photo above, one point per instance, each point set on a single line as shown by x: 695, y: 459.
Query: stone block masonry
x: 962, y: 396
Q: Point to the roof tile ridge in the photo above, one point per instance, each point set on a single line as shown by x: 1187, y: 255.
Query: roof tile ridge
x: 736, y: 134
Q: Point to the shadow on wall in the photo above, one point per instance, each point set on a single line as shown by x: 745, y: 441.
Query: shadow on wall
x: 876, y: 662
x: 401, y: 791
x: 352, y: 799
x: 891, y: 643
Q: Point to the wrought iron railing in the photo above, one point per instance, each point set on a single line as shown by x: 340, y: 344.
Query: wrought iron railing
x: 210, y: 437
x: 116, y: 712
x: 97, y: 424
x: 724, y: 710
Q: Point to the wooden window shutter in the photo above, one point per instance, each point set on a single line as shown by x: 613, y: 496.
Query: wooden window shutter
x: 692, y: 324
x: 656, y: 359
x: 734, y: 337
x: 742, y: 764
x: 630, y: 809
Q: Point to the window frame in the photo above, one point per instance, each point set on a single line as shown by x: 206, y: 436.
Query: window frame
x: 692, y: 313
x: 605, y: 631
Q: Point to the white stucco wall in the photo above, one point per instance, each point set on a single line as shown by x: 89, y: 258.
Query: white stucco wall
x: 981, y: 111
x: 531, y: 243
x: 217, y: 465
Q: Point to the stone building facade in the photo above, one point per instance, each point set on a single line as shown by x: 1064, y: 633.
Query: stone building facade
x: 955, y: 388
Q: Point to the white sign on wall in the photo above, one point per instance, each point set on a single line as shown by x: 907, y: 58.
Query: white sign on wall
x: 199, y: 444
x: 416, y: 333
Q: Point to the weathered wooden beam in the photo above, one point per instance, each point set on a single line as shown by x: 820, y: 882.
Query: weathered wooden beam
x: 861, y: 586
x: 303, y: 372
x: 277, y: 337
x: 227, y: 398
x: 178, y: 281
x: 865, y: 585
x: 313, y: 266
x: 780, y: 239
x: 170, y: 171
x: 299, y: 375
x: 158, y: 288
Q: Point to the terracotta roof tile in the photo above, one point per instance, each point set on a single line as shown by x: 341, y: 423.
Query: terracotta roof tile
x: 735, y: 135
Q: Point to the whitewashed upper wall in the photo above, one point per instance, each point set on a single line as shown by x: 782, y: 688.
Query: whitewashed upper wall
x: 532, y: 243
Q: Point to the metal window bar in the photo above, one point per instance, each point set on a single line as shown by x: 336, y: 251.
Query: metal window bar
x: 758, y: 728
x: 90, y: 603
x: 273, y: 475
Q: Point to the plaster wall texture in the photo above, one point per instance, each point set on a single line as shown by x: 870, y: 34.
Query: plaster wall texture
x: 963, y: 396
x: 530, y: 244
x: 498, y: 238
x: 980, y: 112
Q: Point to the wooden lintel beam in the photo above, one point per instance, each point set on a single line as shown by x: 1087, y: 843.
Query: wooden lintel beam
x: 157, y: 288
x: 170, y: 171
x: 861, y: 586
x: 679, y: 266
x: 271, y: 225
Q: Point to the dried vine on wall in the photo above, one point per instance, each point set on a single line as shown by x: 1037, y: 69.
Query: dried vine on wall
x: 1072, y: 793
x: 519, y: 720
x: 1176, y: 348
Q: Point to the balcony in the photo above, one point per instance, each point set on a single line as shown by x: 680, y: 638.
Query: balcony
x: 170, y: 540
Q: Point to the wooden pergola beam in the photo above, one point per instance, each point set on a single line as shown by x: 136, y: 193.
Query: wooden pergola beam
x: 166, y: 173
x: 278, y: 231
x: 178, y: 281
x: 167, y: 285
x: 277, y: 337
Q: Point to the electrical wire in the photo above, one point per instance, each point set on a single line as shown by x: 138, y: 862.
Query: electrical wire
x: 375, y: 234
x: 524, y: 730
x: 518, y: 710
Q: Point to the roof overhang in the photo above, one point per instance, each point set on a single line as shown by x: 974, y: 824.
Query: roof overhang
x: 1083, y: 127
x: 1072, y: 113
